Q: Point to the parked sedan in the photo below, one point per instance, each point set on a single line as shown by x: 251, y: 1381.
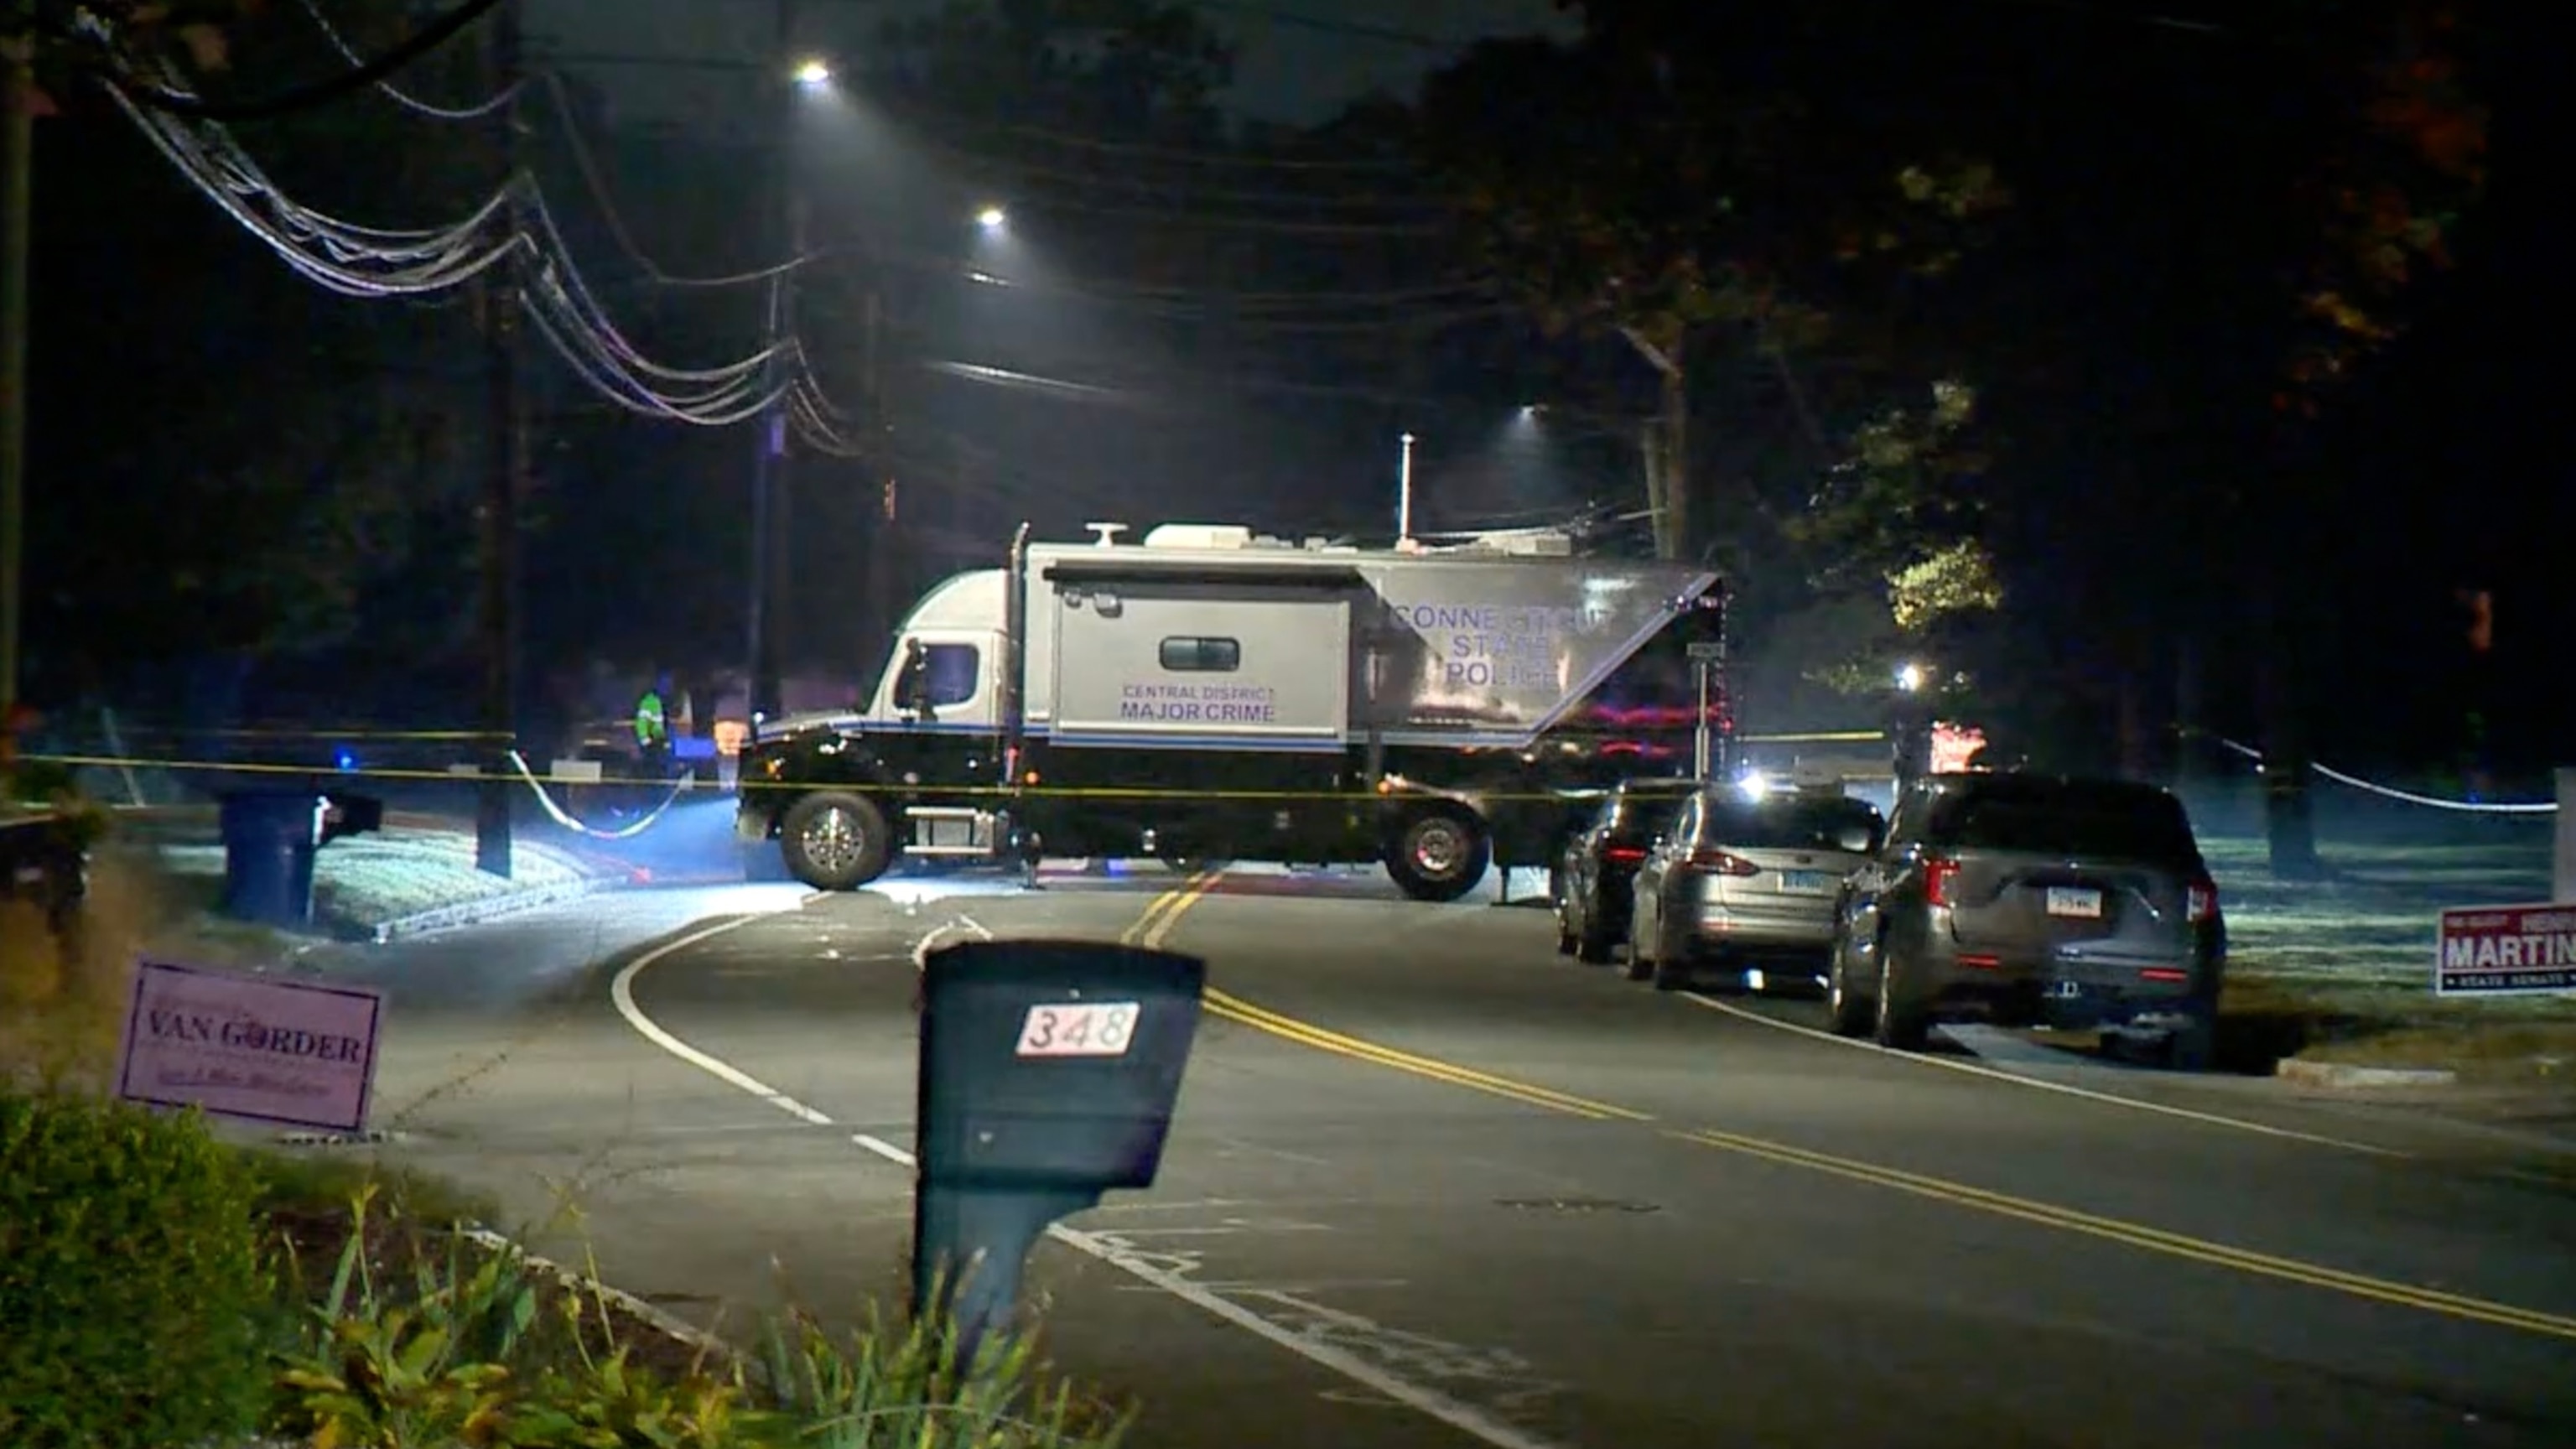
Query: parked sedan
x: 1748, y: 883
x: 2033, y: 900
x: 1593, y: 874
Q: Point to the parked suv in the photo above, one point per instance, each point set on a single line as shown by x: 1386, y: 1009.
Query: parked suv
x: 2032, y: 900
x: 1593, y: 873
x: 1748, y: 882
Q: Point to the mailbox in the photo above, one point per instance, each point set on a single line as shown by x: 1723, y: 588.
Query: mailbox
x: 1049, y: 1072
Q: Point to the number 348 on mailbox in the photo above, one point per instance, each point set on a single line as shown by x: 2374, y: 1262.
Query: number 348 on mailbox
x: 1079, y: 1029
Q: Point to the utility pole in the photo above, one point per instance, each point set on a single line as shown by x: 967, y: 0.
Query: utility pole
x: 504, y: 484
x: 769, y: 463
x: 17, y: 167
x: 876, y: 456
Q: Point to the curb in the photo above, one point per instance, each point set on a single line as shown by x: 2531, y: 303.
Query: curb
x: 2340, y: 1074
x: 661, y: 1318
x: 489, y: 908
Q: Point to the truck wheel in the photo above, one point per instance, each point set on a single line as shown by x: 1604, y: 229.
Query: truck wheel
x: 835, y: 841
x: 1439, y: 856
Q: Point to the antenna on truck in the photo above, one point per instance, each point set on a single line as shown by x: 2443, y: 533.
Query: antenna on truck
x: 1108, y: 533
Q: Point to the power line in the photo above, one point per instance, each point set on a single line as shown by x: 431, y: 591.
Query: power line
x: 94, y: 33
x: 513, y: 226
x: 1194, y: 189
x: 595, y: 180
x: 479, y: 110
x: 1353, y: 29
x: 920, y: 119
x: 587, y: 165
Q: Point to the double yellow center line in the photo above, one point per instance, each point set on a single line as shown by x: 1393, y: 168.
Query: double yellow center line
x: 1163, y: 915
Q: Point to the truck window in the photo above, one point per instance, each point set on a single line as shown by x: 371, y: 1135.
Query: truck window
x: 1190, y: 654
x: 949, y: 671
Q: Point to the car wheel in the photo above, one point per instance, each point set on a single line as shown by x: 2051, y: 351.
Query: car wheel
x: 1847, y: 1013
x: 1641, y: 966
x: 1672, y: 975
x: 1900, y: 1025
x: 1592, y: 944
x: 2190, y: 1048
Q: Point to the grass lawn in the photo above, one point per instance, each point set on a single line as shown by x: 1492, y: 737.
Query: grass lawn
x: 364, y: 881
x: 2342, y: 970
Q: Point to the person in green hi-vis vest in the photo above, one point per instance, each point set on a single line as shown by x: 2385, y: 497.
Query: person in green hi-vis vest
x: 653, y: 730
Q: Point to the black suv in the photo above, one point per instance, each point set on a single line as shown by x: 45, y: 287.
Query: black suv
x: 1590, y: 885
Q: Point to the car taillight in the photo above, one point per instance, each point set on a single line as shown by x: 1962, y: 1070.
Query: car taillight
x: 1722, y: 863
x: 1938, y: 877
x: 2200, y: 901
x: 1623, y: 854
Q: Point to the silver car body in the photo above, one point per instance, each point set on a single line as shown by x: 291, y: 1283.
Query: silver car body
x: 1749, y: 883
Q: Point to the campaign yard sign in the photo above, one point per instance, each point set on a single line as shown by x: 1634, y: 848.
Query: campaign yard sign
x: 2506, y: 950
x: 261, y: 1048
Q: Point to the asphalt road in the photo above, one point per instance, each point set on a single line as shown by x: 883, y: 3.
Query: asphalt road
x: 1433, y: 1185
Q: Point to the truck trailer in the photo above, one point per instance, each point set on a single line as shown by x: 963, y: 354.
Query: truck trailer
x: 1210, y: 694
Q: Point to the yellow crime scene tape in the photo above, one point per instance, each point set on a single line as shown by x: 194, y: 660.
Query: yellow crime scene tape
x: 356, y: 733
x: 464, y: 773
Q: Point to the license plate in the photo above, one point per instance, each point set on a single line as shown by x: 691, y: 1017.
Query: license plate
x: 2075, y: 901
x: 1079, y: 1029
x: 1813, y: 881
x: 2064, y: 990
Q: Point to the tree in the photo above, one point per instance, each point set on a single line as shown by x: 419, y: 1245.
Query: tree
x: 229, y: 463
x: 2401, y: 164
x: 1687, y: 178
x: 1897, y: 525
x: 1132, y: 69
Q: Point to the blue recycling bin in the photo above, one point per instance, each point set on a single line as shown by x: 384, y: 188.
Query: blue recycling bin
x: 270, y: 838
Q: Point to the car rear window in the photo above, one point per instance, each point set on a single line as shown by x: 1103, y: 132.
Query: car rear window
x: 2139, y: 827
x: 1642, y: 817
x: 1792, y: 824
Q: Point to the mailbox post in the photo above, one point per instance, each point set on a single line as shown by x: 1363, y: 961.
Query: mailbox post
x: 1049, y: 1071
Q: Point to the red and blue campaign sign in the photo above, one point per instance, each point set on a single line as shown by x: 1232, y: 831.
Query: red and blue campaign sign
x: 2506, y: 950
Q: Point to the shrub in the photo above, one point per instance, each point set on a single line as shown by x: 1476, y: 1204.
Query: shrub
x: 135, y: 1302
x: 889, y: 1384
x: 417, y: 1337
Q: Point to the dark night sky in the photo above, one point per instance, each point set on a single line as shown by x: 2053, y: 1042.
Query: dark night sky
x: 2445, y: 456
x: 1299, y: 61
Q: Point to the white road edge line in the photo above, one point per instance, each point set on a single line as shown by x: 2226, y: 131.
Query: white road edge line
x: 1997, y: 1074
x: 930, y: 939
x: 1464, y: 1417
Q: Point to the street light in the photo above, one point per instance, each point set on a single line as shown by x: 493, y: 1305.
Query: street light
x: 992, y: 218
x: 1909, y: 677
x: 814, y: 75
